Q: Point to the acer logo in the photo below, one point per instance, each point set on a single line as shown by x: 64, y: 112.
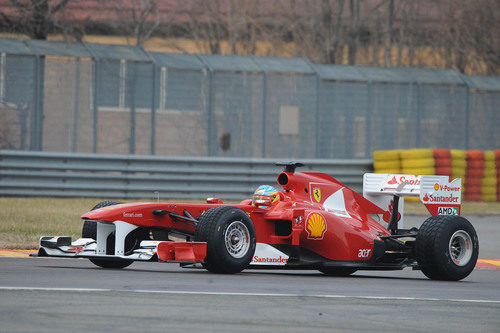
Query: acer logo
x: 364, y: 253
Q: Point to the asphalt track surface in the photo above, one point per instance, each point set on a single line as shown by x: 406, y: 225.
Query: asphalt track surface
x: 72, y: 295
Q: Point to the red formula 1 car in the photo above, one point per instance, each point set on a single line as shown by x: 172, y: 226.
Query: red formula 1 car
x: 318, y: 223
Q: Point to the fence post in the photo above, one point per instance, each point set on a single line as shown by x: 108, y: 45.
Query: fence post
x: 130, y: 89
x: 209, y: 106
x: 95, y: 95
x: 418, y: 116
x: 316, y: 110
x: 76, y: 97
x: 467, y: 109
x: 36, y: 135
x: 153, y: 99
x: 368, y: 118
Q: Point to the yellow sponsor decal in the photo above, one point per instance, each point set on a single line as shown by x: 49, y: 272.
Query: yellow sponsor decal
x: 315, y: 226
x: 317, y: 194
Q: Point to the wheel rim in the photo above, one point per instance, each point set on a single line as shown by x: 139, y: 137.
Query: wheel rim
x: 460, y: 248
x: 237, y: 239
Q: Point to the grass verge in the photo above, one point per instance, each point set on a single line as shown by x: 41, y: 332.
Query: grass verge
x: 24, y: 220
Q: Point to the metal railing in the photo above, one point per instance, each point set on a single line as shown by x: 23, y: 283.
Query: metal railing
x: 132, y: 176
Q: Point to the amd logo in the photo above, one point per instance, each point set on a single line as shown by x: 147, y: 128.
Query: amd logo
x: 448, y: 211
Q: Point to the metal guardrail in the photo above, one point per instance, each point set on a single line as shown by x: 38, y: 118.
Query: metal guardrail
x: 133, y: 176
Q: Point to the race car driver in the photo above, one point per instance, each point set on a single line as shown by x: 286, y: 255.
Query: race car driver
x: 265, y: 196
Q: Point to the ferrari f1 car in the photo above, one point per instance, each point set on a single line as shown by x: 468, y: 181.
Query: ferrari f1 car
x: 318, y: 223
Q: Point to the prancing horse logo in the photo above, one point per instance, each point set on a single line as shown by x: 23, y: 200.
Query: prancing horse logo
x: 317, y: 194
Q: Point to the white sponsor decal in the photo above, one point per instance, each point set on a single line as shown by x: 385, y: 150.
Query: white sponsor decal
x: 364, y: 253
x: 448, y: 211
x: 267, y: 260
x: 267, y: 255
x: 392, y: 181
x: 442, y: 192
x: 132, y: 214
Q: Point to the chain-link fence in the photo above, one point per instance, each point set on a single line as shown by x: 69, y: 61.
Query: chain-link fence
x: 78, y: 97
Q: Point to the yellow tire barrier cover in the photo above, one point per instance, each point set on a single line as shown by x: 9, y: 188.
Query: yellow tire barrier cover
x: 492, y: 190
x: 419, y: 171
x: 489, y: 197
x: 416, y: 154
x: 396, y: 171
x: 396, y: 164
x: 489, y: 155
x: 457, y: 154
x: 386, y: 155
x: 489, y: 181
x: 458, y: 169
x: 490, y: 173
x: 458, y: 163
x: 418, y: 163
x: 489, y: 165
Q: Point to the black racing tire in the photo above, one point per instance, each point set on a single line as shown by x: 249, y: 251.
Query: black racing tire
x: 447, y: 247
x: 89, y: 230
x: 337, y: 271
x: 106, y: 203
x: 230, y: 237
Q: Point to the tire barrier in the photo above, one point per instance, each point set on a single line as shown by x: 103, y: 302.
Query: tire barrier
x: 387, y: 161
x: 479, y: 170
x: 490, y: 181
x: 386, y: 155
x: 497, y: 170
x: 418, y: 162
x: 412, y: 154
x: 474, y: 175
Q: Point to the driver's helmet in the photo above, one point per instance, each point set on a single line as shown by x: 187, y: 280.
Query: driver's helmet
x: 265, y: 196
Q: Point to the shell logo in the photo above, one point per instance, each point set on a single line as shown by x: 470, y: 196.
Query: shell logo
x: 436, y: 186
x: 315, y: 226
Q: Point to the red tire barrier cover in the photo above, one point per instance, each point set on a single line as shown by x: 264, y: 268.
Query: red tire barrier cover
x: 473, y: 181
x: 474, y: 173
x: 472, y: 189
x: 475, y: 164
x: 442, y: 153
x: 473, y: 197
x: 442, y: 162
x: 443, y: 171
x: 474, y: 154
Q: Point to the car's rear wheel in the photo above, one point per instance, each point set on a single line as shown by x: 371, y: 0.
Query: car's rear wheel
x: 447, y: 247
x: 337, y: 271
x: 89, y: 230
x: 230, y: 237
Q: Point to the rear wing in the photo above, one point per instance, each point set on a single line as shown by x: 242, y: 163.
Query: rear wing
x: 437, y: 193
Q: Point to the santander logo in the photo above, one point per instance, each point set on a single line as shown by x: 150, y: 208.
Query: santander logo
x: 393, y: 181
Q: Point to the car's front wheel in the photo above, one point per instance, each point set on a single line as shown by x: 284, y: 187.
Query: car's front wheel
x: 230, y: 237
x: 89, y: 230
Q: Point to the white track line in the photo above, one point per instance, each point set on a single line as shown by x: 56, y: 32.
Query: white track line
x: 183, y: 292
